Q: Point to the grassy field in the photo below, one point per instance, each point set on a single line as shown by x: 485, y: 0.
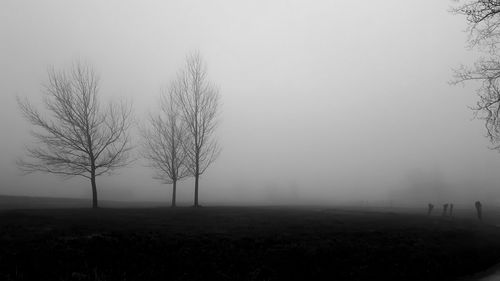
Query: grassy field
x: 238, y: 243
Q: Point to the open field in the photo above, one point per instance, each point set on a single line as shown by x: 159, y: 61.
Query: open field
x: 238, y: 243
x: 32, y: 202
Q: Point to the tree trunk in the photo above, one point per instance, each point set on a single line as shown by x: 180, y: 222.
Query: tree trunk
x: 94, y: 191
x: 174, y: 189
x: 196, y: 190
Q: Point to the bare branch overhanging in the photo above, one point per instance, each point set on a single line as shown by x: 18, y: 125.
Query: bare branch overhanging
x: 483, y: 19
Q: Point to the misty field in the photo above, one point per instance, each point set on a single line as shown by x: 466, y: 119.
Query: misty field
x: 240, y: 243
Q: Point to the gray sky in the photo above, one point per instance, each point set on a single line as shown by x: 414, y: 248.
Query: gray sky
x: 321, y: 100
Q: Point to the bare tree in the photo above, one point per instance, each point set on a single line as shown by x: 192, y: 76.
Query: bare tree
x: 483, y: 19
x: 80, y: 137
x: 163, y: 143
x: 198, y: 102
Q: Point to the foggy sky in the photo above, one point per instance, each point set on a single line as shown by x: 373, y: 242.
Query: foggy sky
x: 321, y: 100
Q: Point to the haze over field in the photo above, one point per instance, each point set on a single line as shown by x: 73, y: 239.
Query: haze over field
x: 320, y: 102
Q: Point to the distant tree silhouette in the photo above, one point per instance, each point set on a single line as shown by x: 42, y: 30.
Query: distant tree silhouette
x: 483, y: 19
x: 445, y: 208
x: 430, y: 207
x: 198, y: 101
x: 79, y: 136
x: 479, y: 210
x: 163, y: 141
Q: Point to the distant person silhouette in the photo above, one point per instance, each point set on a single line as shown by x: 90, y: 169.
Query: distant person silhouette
x: 479, y: 209
x: 445, y: 208
x: 451, y: 209
x: 429, y: 209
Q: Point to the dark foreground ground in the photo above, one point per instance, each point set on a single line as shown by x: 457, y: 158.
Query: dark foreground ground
x: 240, y: 244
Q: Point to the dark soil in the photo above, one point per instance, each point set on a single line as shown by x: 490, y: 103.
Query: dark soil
x: 240, y: 244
